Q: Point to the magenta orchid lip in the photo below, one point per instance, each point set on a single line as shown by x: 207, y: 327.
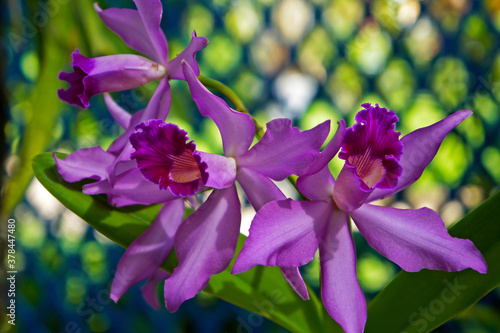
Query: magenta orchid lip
x: 166, y: 157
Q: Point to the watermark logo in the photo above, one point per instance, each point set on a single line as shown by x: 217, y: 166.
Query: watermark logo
x: 427, y: 315
x: 11, y: 272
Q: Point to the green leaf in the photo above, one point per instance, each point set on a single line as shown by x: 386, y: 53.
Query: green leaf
x: 422, y: 301
x: 262, y: 290
x: 122, y: 225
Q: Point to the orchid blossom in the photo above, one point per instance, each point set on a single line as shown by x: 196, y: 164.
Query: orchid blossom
x: 140, y: 29
x: 205, y: 242
x: 115, y: 171
x: 117, y: 176
x: 378, y: 164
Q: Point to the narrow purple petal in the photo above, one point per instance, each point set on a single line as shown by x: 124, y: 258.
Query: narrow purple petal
x: 146, y: 254
x: 350, y: 192
x: 159, y: 104
x: 122, y: 163
x: 130, y: 188
x: 284, y: 150
x: 117, y: 72
x: 166, y: 157
x: 93, y: 76
x: 419, y: 148
x: 221, y: 170
x: 258, y: 189
x: 317, y: 186
x: 157, y: 108
x: 128, y: 25
x: 148, y: 290
x: 121, y: 116
x: 174, y: 66
x: 205, y: 245
x: 151, y: 12
x: 317, y: 182
x: 330, y: 150
x: 84, y: 163
x: 294, y: 279
x: 340, y: 291
x: 416, y: 239
x: 237, y: 129
x: 118, y: 145
x: 284, y: 233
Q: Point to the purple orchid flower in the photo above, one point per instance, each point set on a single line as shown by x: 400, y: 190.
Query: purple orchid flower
x: 378, y: 164
x: 129, y: 188
x: 116, y: 173
x: 169, y: 161
x: 140, y: 29
x: 205, y: 242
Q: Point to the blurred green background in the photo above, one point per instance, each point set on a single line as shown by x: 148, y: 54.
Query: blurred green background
x: 306, y: 60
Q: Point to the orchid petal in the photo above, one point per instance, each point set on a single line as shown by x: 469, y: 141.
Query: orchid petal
x: 258, y: 189
x: 151, y: 12
x: 416, y: 239
x: 419, y: 148
x: 330, y: 150
x: 284, y: 150
x: 174, y: 66
x: 123, y: 160
x: 157, y: 108
x: 220, y: 169
x: 317, y: 182
x: 128, y: 25
x: 148, y: 290
x: 284, y: 233
x: 121, y: 116
x: 146, y: 254
x: 130, y: 188
x: 205, y: 245
x: 340, y: 290
x: 294, y: 279
x: 350, y: 192
x: 84, y: 163
x: 159, y: 104
x: 237, y: 129
x: 118, y: 145
x: 93, y: 76
x: 317, y: 186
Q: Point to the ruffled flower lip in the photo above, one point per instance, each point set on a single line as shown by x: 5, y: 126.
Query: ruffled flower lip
x: 166, y: 157
x: 77, y: 94
x: 373, y: 148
